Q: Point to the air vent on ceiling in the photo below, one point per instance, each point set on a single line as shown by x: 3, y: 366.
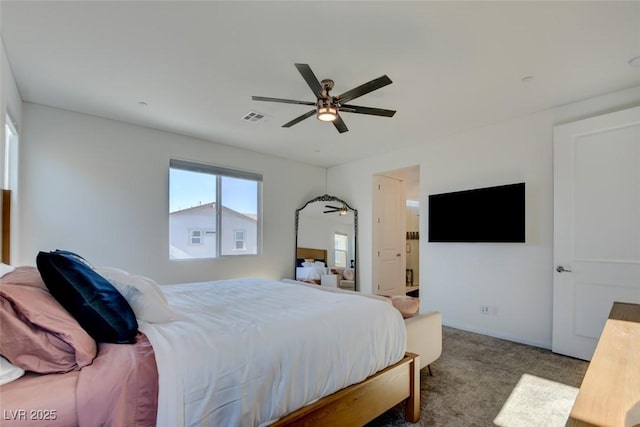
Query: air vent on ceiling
x: 253, y: 117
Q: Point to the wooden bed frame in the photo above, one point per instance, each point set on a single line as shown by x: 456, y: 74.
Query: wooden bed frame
x: 360, y: 403
x: 305, y: 253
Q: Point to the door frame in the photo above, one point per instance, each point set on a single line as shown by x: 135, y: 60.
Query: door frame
x: 571, y: 335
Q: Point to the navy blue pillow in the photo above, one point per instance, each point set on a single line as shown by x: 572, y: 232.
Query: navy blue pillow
x: 97, y: 306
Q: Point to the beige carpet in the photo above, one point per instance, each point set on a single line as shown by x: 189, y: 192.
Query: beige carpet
x: 484, y: 381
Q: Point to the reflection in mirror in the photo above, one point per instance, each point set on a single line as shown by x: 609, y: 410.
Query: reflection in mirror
x: 326, y: 236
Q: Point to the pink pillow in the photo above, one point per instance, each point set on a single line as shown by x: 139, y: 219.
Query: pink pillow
x: 24, y: 276
x: 38, y: 334
x: 408, y: 306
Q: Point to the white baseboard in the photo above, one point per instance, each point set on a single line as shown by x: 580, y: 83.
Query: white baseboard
x: 495, y: 334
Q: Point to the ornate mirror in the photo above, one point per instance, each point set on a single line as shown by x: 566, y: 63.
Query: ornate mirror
x: 326, y: 237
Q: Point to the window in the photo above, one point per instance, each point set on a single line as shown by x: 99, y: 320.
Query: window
x: 205, y: 199
x: 340, y: 246
x: 239, y: 240
x: 9, y: 181
x: 196, y: 237
x: 10, y: 155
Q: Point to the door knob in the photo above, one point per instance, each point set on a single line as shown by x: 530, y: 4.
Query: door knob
x: 561, y: 269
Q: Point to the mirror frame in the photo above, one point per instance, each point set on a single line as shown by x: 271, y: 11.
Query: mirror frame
x: 329, y: 198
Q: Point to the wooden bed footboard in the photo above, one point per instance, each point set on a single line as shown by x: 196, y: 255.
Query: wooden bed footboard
x: 360, y: 403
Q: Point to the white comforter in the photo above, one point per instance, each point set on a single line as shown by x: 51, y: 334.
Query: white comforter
x: 310, y: 273
x: 250, y: 351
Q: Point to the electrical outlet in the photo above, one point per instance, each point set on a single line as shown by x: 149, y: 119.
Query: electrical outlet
x: 484, y: 309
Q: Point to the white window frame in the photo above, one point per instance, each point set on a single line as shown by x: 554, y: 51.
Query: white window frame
x: 219, y: 172
x: 236, y: 240
x: 10, y: 153
x: 336, y: 250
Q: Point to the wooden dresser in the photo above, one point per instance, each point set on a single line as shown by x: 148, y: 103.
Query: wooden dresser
x: 610, y: 392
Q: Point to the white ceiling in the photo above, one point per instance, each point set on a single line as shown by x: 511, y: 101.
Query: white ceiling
x: 455, y: 65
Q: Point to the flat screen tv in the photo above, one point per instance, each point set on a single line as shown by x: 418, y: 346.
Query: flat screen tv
x: 492, y: 214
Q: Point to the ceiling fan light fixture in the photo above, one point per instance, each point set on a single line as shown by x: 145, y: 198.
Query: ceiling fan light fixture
x: 343, y: 211
x: 327, y: 107
x: 327, y: 113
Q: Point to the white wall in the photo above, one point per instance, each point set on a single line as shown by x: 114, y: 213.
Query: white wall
x: 319, y: 233
x: 515, y: 280
x: 100, y: 188
x: 313, y: 233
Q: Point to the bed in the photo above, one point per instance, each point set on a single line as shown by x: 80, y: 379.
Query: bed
x: 231, y: 357
x: 311, y: 273
x: 70, y: 380
x: 311, y: 265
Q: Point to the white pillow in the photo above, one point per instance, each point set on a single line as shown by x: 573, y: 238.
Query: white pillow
x: 142, y: 293
x: 319, y: 264
x: 307, y: 264
x: 5, y: 268
x: 8, y: 371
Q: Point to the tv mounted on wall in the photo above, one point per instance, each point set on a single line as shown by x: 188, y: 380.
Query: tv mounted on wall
x: 492, y: 214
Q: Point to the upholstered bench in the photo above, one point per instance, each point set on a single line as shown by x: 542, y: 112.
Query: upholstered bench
x: 424, y: 330
x: 424, y: 336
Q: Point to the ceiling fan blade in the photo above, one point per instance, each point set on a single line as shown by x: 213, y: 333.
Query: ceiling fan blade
x: 335, y: 210
x: 339, y: 124
x: 363, y: 89
x: 367, y: 110
x: 311, y: 79
x: 299, y: 119
x: 331, y: 207
x: 286, y: 101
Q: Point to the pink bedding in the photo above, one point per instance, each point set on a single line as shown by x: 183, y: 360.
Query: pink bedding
x: 120, y: 388
x: 40, y: 399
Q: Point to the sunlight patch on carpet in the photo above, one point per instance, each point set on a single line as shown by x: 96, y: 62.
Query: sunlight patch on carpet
x: 537, y: 402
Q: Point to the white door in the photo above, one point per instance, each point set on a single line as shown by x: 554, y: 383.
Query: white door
x: 596, y: 226
x: 389, y: 228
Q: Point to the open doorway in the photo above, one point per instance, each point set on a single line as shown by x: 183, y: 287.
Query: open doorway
x: 397, y: 219
x: 412, y: 282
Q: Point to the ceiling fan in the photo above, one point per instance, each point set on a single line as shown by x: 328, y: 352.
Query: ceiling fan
x: 342, y: 210
x: 327, y: 107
